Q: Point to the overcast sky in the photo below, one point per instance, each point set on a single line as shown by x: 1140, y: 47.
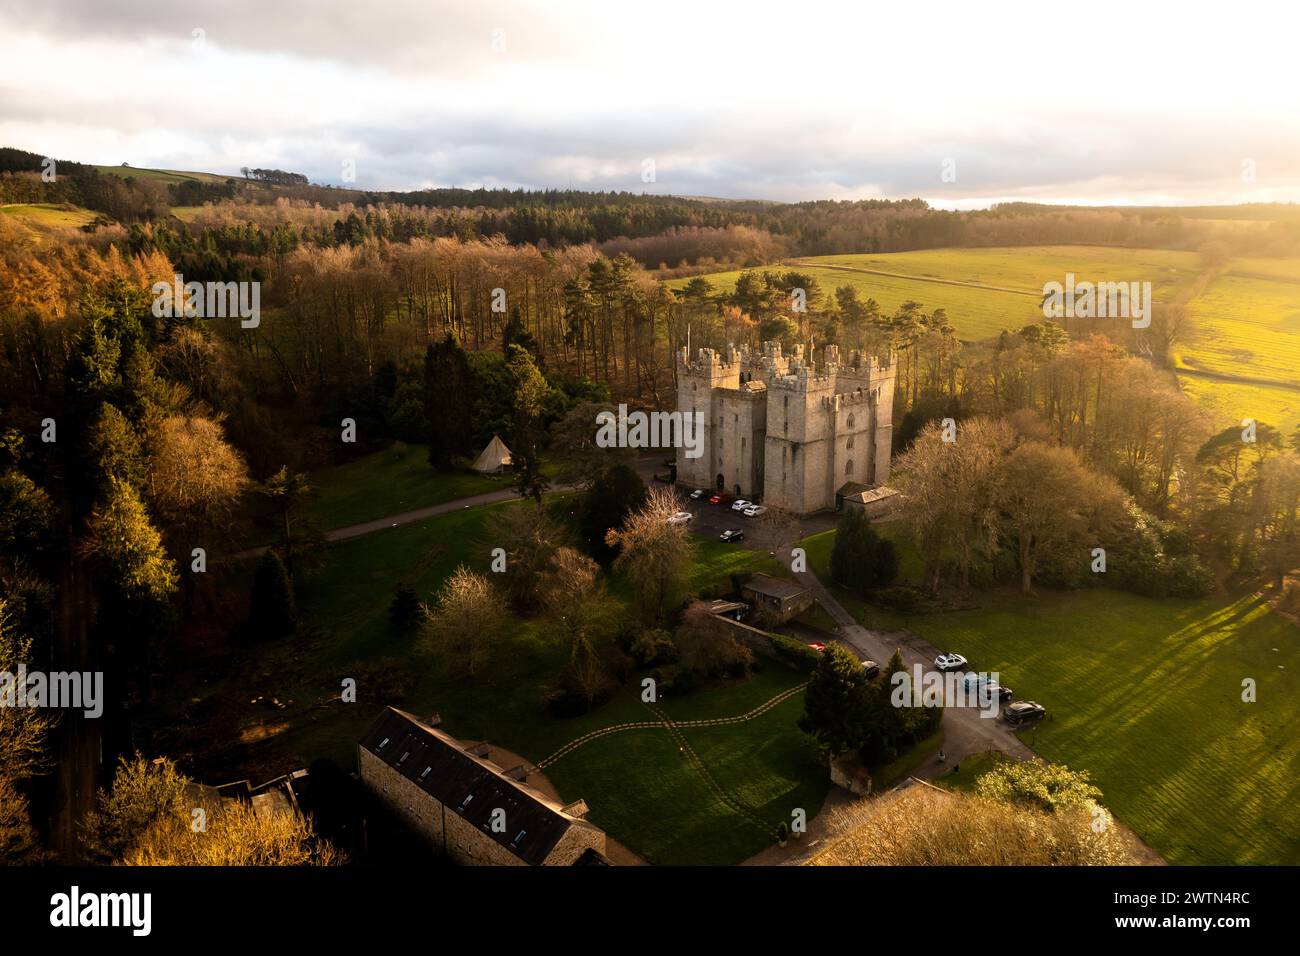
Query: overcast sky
x: 1099, y: 102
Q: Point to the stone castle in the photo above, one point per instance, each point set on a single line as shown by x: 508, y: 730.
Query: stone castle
x: 782, y: 429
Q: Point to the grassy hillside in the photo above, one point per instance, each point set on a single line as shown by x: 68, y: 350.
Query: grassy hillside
x: 167, y: 176
x: 48, y: 215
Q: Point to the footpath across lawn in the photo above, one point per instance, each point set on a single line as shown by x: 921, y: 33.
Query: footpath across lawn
x: 389, y: 482
x: 1147, y: 695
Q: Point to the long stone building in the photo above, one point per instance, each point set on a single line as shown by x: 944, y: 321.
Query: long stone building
x: 464, y: 805
x: 785, y: 430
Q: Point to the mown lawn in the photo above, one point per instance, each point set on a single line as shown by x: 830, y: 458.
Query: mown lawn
x: 637, y: 783
x: 390, y: 482
x: 1147, y: 695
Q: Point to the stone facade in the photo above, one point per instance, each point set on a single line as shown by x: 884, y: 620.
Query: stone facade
x: 785, y: 430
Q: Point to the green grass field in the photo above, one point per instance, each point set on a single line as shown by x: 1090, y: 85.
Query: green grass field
x: 637, y: 783
x: 389, y: 482
x: 1027, y: 268
x: 974, y: 313
x: 1146, y: 695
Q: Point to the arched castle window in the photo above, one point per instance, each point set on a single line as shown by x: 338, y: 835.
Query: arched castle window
x: 850, y: 421
x: 849, y: 443
x: 848, y: 467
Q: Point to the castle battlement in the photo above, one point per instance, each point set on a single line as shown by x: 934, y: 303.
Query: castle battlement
x: 803, y: 379
x: 774, y: 426
x: 860, y: 396
x: 710, y: 359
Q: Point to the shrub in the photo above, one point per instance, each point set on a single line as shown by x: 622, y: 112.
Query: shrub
x: 860, y: 558
x: 903, y: 599
x: 707, y: 645
x: 795, y: 654
x: 271, y: 606
x: 405, y: 612
x: 653, y: 646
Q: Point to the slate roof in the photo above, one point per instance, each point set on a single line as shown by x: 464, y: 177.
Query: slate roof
x: 468, y: 785
x: 778, y: 588
x: 872, y: 495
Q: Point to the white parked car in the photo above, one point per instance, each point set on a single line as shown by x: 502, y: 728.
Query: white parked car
x: 681, y: 517
x: 753, y: 511
x: 698, y: 493
x: 740, y: 504
x: 950, y: 662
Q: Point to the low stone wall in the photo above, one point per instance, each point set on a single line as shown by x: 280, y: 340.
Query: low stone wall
x: 777, y: 647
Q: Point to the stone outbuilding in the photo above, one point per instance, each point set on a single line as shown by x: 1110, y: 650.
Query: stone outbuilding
x: 776, y: 598
x: 465, y: 806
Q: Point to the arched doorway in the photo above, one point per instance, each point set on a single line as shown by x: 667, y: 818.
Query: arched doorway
x: 720, y: 482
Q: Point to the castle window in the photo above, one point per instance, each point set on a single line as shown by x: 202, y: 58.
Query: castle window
x: 850, y: 421
x: 849, y: 443
x: 848, y: 467
x: 785, y: 401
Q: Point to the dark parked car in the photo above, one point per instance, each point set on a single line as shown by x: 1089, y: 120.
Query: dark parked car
x: 732, y: 534
x: 870, y: 668
x: 1024, y: 711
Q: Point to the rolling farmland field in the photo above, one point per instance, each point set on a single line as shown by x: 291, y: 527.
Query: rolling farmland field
x: 1246, y: 322
x: 168, y: 176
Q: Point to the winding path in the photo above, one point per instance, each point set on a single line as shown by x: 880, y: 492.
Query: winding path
x: 666, y: 723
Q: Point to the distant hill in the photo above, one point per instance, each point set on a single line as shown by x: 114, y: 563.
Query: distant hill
x: 167, y: 176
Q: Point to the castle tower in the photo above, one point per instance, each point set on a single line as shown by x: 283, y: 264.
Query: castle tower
x: 698, y: 383
x: 782, y: 428
x: 796, y: 444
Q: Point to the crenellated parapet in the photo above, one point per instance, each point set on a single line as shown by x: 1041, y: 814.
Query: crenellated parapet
x: 859, y: 396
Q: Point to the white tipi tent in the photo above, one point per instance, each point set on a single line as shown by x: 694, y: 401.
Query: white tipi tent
x: 495, y: 458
